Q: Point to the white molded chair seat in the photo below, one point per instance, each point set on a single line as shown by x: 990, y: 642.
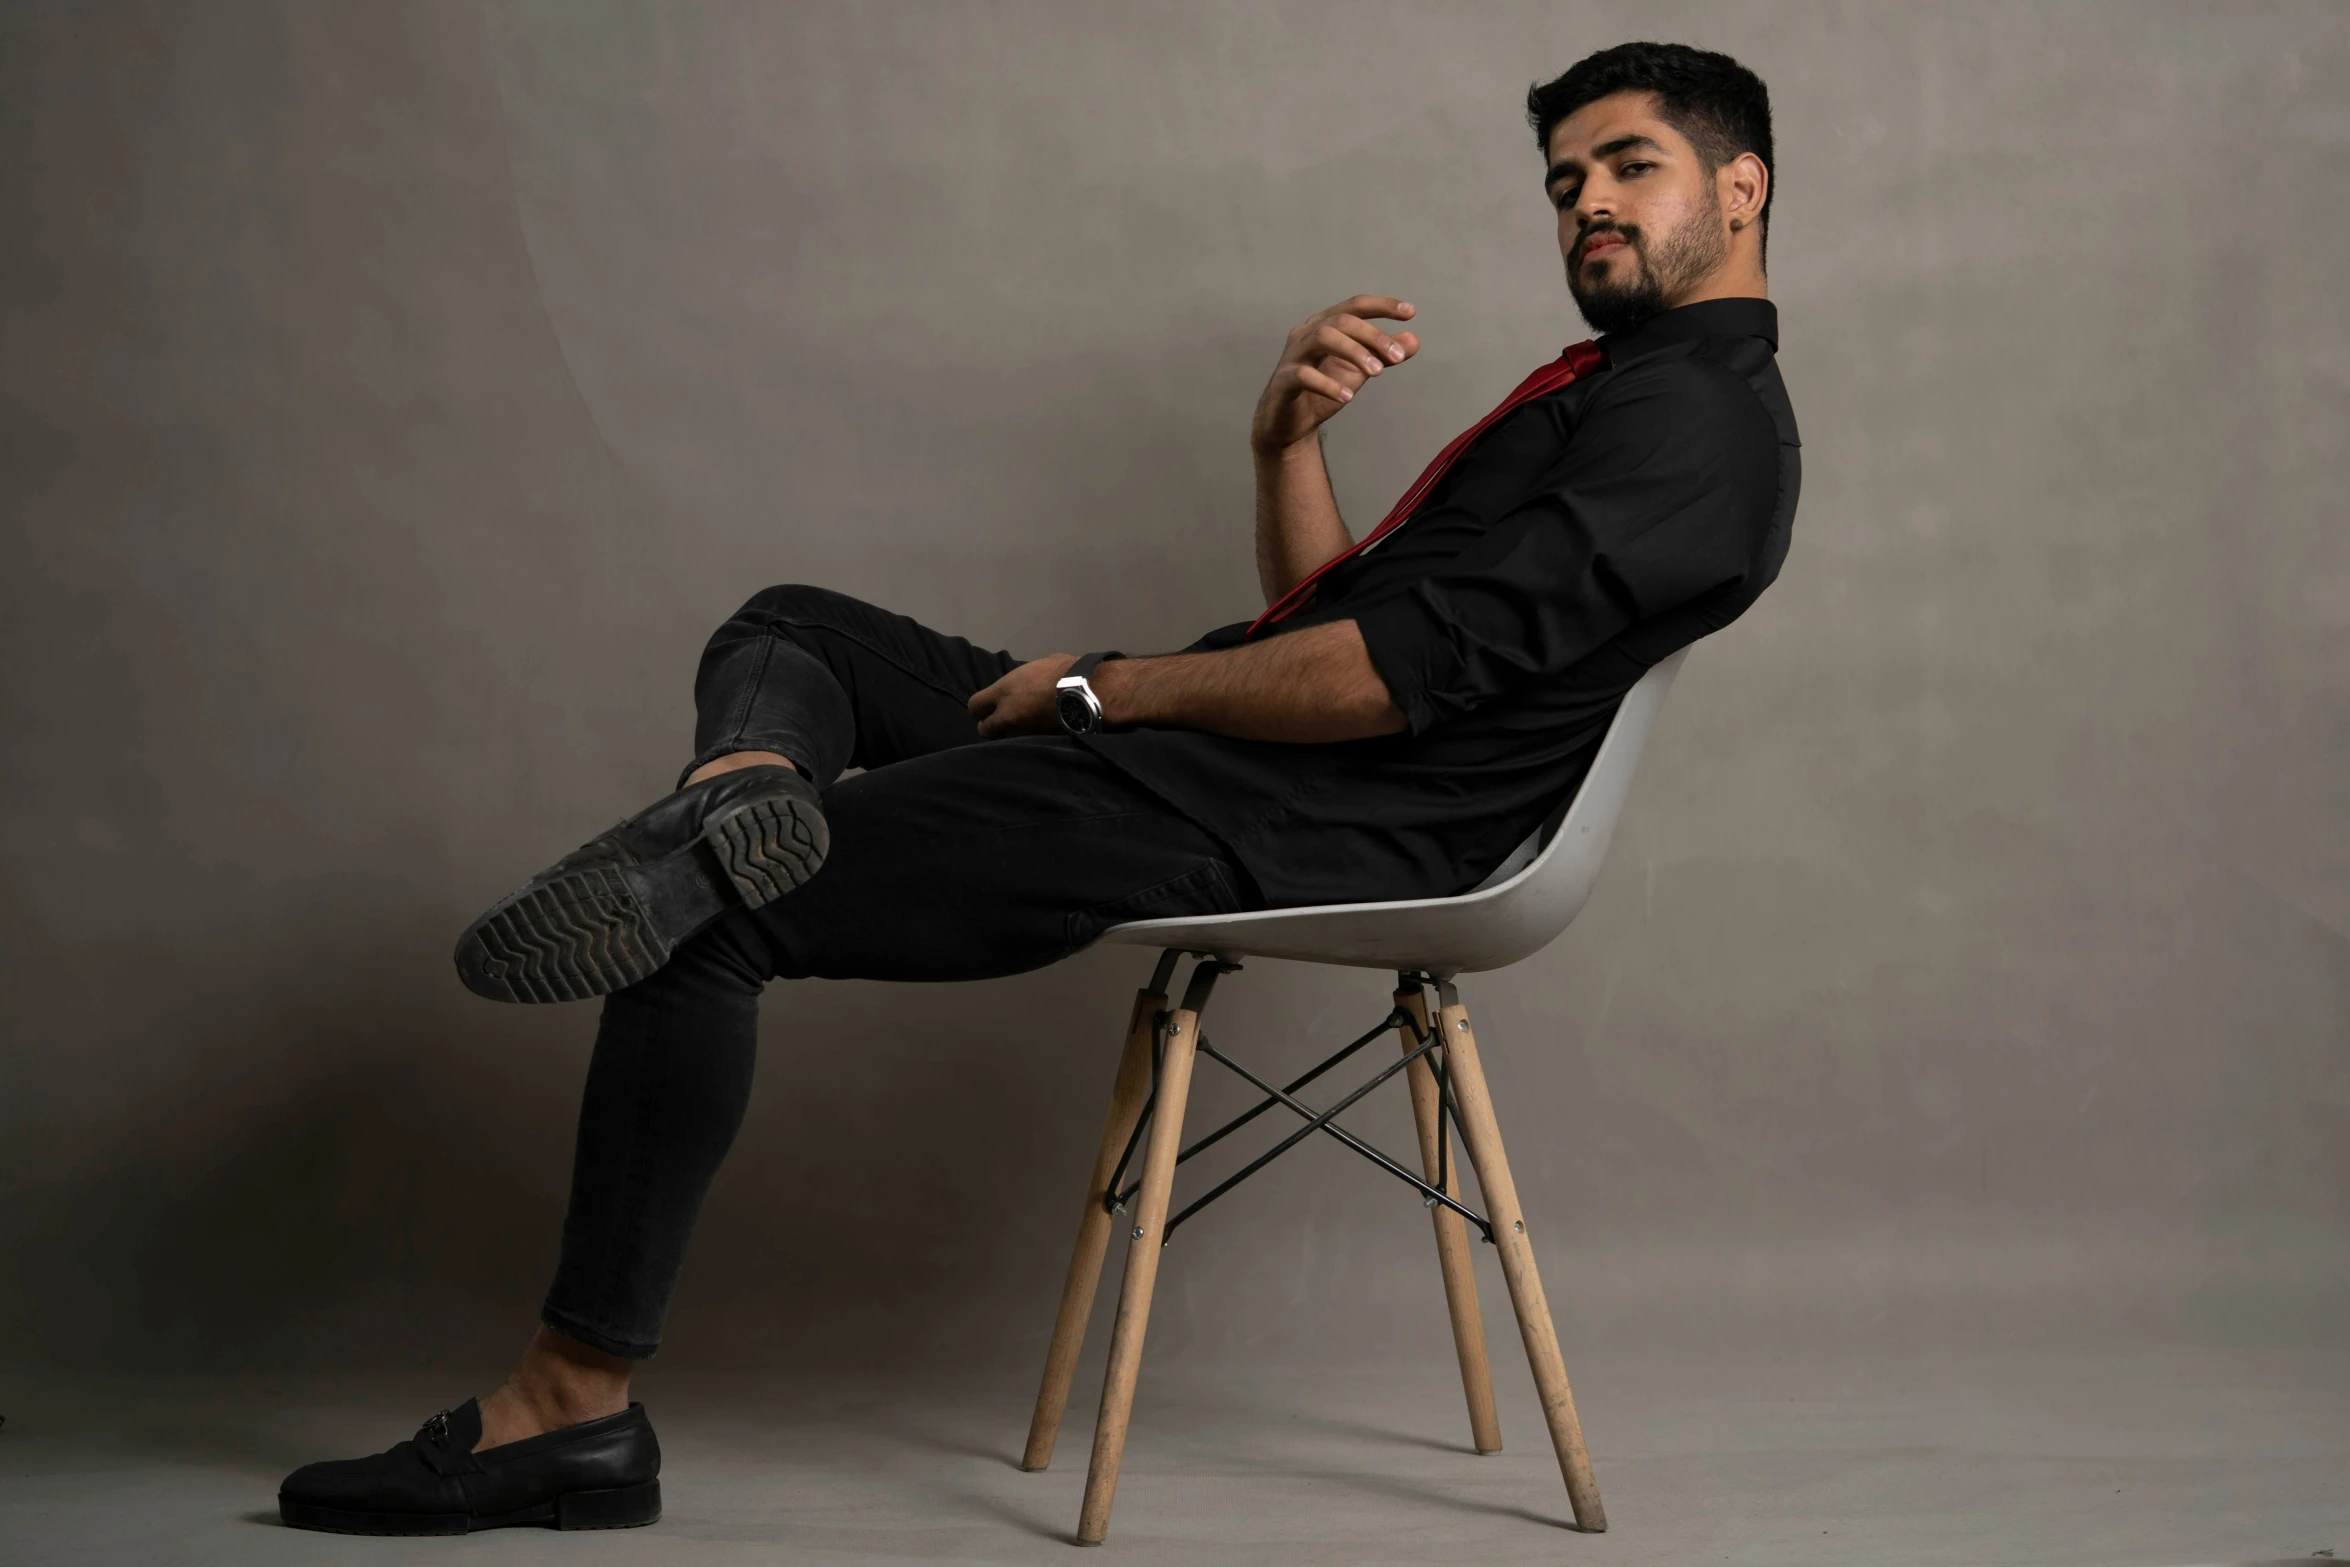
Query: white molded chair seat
x: 1516, y: 913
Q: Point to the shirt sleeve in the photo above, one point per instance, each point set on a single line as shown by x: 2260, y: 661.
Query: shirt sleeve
x: 1662, y: 494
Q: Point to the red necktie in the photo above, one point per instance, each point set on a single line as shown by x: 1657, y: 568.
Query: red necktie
x: 1578, y: 360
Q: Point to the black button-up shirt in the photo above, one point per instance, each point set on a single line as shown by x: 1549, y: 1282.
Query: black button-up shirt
x: 1580, y: 540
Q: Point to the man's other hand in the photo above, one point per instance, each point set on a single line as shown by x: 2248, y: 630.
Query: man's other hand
x: 1328, y: 356
x: 1022, y: 702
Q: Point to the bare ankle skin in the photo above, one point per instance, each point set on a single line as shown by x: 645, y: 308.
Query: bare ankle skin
x: 734, y: 761
x: 559, y: 1383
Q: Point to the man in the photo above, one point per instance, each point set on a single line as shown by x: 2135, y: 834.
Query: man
x: 1392, y: 726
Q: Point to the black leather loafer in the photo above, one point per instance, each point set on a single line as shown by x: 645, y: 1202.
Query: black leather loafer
x: 604, y: 1474
x: 612, y: 911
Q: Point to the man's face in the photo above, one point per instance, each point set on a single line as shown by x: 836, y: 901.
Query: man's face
x: 1640, y: 221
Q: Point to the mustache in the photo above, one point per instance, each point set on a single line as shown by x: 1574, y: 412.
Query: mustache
x: 1629, y: 233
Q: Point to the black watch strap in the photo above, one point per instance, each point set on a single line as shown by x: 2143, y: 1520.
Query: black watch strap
x: 1086, y: 665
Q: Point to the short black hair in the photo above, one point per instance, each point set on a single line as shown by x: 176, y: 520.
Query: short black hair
x: 1720, y: 105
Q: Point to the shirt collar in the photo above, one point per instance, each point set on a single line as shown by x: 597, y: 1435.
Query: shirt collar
x: 1708, y: 318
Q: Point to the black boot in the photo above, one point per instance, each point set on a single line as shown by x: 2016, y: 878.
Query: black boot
x: 603, y: 1474
x: 610, y: 912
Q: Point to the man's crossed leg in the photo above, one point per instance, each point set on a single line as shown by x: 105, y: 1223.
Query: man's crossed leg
x: 948, y: 858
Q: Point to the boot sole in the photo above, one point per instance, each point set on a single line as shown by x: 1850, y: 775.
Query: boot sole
x: 605, y: 927
x: 624, y: 1507
x: 768, y: 847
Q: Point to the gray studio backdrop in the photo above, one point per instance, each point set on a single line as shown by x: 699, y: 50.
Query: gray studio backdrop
x: 394, y: 397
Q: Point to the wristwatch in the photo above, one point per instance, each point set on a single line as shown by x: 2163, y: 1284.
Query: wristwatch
x: 1073, y: 698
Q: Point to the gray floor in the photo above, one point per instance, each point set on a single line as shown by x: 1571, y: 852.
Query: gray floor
x: 2140, y: 1460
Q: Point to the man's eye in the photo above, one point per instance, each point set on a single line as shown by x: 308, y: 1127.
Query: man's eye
x: 1636, y: 168
x: 1566, y: 197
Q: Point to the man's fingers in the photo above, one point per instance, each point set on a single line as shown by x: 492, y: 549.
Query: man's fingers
x: 1345, y: 334
x: 1354, y: 348
x: 1313, y: 380
x: 1346, y: 327
x: 1387, y: 349
x: 1380, y: 305
x: 1348, y: 366
x: 1347, y: 371
x: 1021, y: 702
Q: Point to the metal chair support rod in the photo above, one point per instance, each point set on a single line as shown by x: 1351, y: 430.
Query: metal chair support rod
x: 1122, y: 1198
x: 1273, y: 1097
x: 1321, y: 1123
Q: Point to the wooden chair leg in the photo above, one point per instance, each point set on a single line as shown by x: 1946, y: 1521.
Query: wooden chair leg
x: 1142, y: 1273
x: 1452, y: 1239
x: 1483, y: 1135
x: 1127, y: 1094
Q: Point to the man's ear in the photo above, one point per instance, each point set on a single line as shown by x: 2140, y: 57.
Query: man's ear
x: 1743, y: 185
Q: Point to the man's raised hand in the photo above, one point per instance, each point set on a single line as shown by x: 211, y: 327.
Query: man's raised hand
x: 1328, y: 356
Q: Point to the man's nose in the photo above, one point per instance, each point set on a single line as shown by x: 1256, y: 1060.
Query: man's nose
x: 1596, y: 200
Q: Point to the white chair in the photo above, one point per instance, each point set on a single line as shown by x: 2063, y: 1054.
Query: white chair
x: 1516, y: 912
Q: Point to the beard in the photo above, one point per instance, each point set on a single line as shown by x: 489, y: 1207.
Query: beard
x: 1629, y: 296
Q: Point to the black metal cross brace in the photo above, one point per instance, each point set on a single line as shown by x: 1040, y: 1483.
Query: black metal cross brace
x: 1427, y: 1045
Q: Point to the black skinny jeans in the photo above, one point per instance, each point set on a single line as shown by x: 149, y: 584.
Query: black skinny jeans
x: 951, y: 859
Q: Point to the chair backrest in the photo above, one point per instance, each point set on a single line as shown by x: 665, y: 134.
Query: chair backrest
x: 1490, y: 927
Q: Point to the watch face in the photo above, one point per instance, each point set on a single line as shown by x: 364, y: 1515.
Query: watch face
x: 1077, y: 714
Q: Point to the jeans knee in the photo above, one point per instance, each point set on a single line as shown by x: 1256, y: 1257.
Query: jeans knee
x: 796, y: 602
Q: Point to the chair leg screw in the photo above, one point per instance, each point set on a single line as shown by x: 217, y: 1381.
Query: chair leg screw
x: 1138, y: 1232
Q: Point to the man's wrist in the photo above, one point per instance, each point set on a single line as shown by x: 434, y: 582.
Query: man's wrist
x: 1144, y: 692
x: 1131, y: 690
x: 1111, y: 686
x: 1308, y: 449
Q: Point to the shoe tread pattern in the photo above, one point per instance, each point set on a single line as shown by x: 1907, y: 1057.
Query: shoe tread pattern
x: 768, y: 847
x: 577, y: 936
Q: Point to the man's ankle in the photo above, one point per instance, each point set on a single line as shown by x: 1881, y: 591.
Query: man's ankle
x: 560, y: 1382
x: 514, y: 1414
x: 735, y: 761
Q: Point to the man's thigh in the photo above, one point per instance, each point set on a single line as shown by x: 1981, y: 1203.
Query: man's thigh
x: 991, y: 859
